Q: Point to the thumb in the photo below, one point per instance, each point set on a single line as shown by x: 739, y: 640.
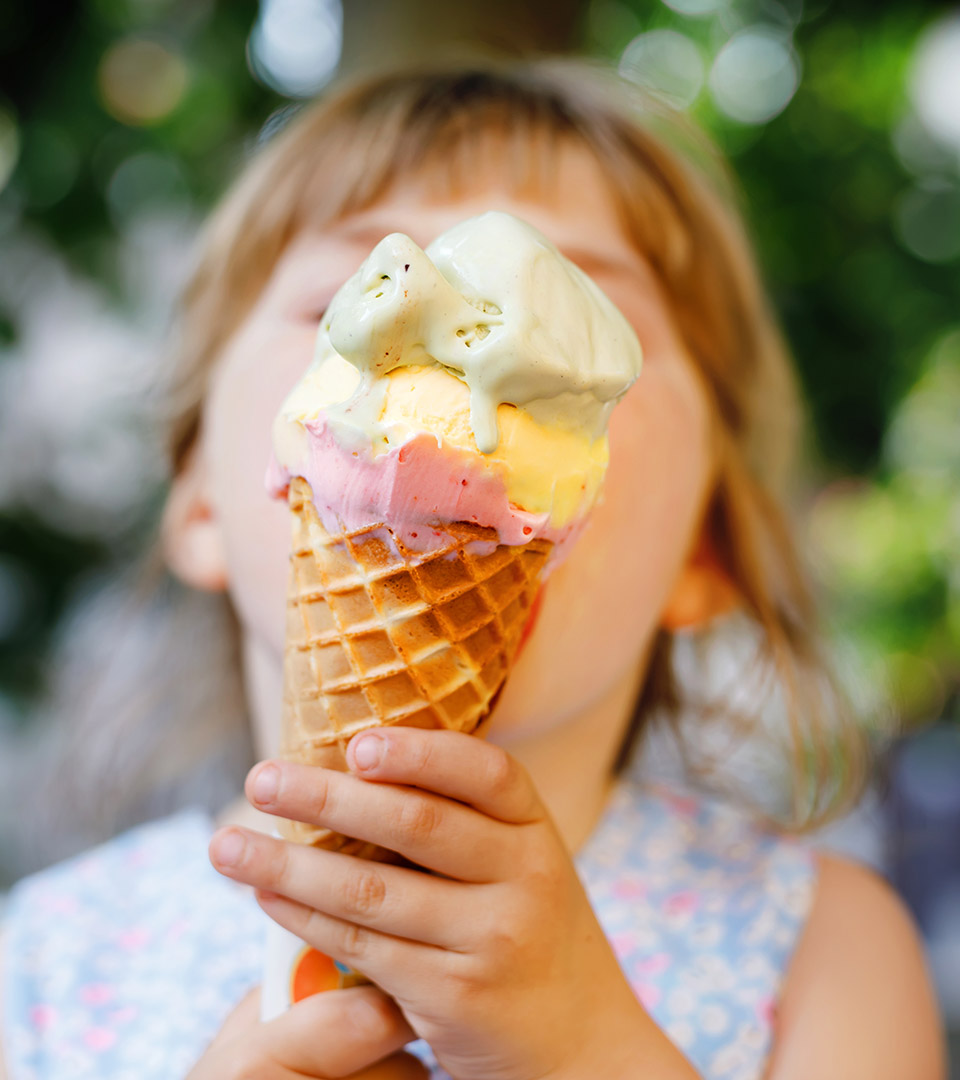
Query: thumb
x: 336, y: 1033
x: 241, y: 1019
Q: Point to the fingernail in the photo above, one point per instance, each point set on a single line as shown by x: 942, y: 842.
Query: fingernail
x: 228, y: 849
x: 266, y: 784
x: 368, y: 751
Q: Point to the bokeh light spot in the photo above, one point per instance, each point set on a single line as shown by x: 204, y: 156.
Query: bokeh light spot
x: 922, y: 439
x: 873, y: 541
x: 696, y: 7
x: 143, y: 182
x: 755, y: 75
x: 666, y: 62
x: 294, y: 46
x: 141, y: 81
x: 919, y: 151
x: 927, y: 220
x: 935, y: 79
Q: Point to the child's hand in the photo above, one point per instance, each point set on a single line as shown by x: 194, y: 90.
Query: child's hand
x: 498, y: 962
x: 339, y: 1033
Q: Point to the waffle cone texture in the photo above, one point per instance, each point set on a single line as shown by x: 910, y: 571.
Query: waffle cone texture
x: 381, y: 634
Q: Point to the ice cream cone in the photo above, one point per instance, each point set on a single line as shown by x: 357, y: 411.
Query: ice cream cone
x: 468, y: 382
x: 381, y: 634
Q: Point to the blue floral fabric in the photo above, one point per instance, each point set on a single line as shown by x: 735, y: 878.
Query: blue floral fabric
x: 123, y: 963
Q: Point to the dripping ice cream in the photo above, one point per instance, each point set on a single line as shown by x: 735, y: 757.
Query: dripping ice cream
x: 471, y: 381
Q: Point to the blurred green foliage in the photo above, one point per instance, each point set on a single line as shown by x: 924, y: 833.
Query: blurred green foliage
x: 873, y: 324
x: 821, y: 181
x: 79, y: 171
x: 825, y: 185
x: 72, y: 144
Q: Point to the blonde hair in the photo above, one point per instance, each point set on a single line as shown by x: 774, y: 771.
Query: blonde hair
x: 679, y: 209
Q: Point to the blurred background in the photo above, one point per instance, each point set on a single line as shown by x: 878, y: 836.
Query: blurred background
x: 122, y: 120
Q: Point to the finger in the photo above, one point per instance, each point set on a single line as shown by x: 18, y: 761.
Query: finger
x: 429, y: 830
x: 336, y: 1033
x: 241, y: 1019
x: 449, y: 763
x: 396, y: 1067
x: 397, y: 965
x: 392, y: 899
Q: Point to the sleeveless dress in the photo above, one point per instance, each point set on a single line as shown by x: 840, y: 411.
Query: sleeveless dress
x: 122, y: 963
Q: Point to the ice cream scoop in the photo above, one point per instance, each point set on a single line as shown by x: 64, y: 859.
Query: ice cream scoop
x: 471, y: 382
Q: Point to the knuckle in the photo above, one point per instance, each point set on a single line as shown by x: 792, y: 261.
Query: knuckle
x: 508, y: 781
x: 370, y: 1017
x: 423, y: 755
x: 278, y: 865
x: 352, y: 940
x: 465, y: 981
x: 505, y: 943
x: 313, y: 927
x: 419, y: 818
x: 503, y: 772
x: 321, y: 798
x: 365, y: 892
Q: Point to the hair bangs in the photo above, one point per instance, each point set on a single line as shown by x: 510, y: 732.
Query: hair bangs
x: 451, y: 138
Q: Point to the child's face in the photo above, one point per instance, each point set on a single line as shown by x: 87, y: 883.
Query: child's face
x: 601, y: 607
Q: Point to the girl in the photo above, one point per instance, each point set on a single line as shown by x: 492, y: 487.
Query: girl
x: 561, y: 921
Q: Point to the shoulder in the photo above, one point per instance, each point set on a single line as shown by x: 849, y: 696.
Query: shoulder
x: 857, y: 1000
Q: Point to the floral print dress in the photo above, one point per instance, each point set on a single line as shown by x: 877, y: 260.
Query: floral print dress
x: 122, y: 963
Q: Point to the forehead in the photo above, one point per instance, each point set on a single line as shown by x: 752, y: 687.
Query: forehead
x: 565, y: 195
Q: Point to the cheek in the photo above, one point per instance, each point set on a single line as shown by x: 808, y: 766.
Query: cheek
x: 252, y: 380
x: 603, y: 603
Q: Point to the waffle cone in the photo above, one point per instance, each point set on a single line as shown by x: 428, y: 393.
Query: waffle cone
x: 380, y: 634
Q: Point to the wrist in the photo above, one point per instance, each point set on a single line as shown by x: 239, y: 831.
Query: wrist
x: 633, y: 1046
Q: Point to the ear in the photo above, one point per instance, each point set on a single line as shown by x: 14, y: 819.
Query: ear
x: 702, y: 591
x: 190, y: 530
